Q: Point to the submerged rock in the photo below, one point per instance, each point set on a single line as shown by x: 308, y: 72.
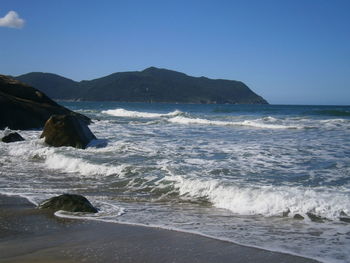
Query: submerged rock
x: 315, y: 218
x: 344, y: 217
x: 12, y: 137
x: 67, y: 130
x: 286, y: 213
x: 342, y: 213
x: 70, y: 203
x: 298, y: 217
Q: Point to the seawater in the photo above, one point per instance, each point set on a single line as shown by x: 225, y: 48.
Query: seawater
x: 232, y: 172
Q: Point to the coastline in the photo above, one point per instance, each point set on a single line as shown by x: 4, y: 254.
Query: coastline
x: 31, y: 235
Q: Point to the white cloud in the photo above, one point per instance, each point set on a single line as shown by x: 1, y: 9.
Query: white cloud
x: 12, y: 20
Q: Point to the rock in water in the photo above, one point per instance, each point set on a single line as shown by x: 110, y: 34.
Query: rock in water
x: 315, y: 218
x: 298, y: 217
x: 345, y: 219
x: 23, y: 107
x: 12, y: 137
x: 70, y: 203
x: 67, y: 130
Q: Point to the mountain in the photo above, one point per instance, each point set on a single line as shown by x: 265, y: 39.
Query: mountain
x: 150, y: 85
x: 55, y: 86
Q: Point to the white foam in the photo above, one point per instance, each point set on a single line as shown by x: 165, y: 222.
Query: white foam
x: 265, y: 200
x: 33, y: 148
x: 251, y: 123
x: 98, y: 143
x: 138, y: 114
x: 58, y: 158
x: 106, y: 212
x: 77, y: 165
x: 270, y: 118
x: 5, y: 132
x: 259, y: 124
x: 335, y: 123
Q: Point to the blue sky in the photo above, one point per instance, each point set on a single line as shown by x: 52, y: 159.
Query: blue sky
x: 288, y: 51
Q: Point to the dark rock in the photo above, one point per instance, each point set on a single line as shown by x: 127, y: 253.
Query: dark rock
x: 286, y: 213
x: 345, y: 219
x: 12, y: 137
x: 298, y: 217
x: 342, y: 213
x: 315, y: 218
x: 67, y: 130
x: 70, y: 203
x: 23, y: 107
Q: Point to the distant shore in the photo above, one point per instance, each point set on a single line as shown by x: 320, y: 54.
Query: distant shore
x: 31, y: 235
x: 149, y: 85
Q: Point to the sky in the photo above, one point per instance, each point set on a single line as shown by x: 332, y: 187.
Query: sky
x: 288, y: 51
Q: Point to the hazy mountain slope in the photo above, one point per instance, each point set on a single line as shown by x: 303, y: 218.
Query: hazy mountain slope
x: 55, y: 86
x: 150, y: 85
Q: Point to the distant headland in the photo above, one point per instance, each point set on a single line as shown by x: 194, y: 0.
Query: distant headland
x: 150, y: 85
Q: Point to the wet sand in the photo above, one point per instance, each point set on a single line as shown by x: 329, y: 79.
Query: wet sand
x: 28, y: 234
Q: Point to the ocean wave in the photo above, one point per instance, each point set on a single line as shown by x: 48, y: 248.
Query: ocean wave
x: 265, y: 200
x: 270, y: 118
x: 339, y: 113
x: 81, y: 166
x: 259, y: 123
x: 138, y: 114
x: 33, y: 149
x: 97, y: 143
x: 59, y: 158
x: 334, y: 123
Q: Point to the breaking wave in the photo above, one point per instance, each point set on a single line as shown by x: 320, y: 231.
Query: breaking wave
x: 265, y: 200
x: 77, y: 165
x: 337, y: 113
x: 259, y: 123
x: 138, y: 114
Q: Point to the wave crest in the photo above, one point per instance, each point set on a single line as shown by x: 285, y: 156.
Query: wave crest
x: 265, y: 200
x: 138, y: 114
x: 76, y: 165
x: 259, y: 123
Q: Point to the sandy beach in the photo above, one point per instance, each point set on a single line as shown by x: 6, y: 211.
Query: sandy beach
x: 31, y: 235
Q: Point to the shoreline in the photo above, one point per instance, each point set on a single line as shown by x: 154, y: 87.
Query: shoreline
x: 28, y: 234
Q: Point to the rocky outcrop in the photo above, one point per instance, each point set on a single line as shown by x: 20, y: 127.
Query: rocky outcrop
x: 67, y: 130
x: 23, y: 107
x: 12, y: 137
x: 70, y: 203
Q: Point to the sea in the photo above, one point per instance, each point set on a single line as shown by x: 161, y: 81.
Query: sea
x: 275, y: 177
